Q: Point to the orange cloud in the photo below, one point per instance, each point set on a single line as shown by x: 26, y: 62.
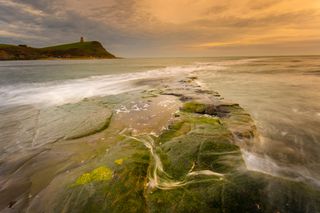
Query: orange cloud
x: 160, y: 27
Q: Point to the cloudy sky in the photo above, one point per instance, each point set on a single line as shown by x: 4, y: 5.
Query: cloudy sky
x: 137, y: 28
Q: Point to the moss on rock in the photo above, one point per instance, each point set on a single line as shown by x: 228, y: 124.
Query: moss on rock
x: 194, y: 165
x: 99, y: 174
x: 194, y: 107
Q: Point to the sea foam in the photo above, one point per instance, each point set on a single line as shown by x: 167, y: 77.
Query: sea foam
x: 69, y: 91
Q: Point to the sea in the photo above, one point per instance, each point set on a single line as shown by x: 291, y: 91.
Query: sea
x: 282, y: 94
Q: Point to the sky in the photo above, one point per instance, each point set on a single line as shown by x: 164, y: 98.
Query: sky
x: 167, y: 28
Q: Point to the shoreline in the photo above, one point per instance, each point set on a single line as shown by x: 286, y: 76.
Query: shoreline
x: 62, y: 59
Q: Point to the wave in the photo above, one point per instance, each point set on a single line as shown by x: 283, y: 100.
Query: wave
x: 68, y: 91
x: 265, y: 164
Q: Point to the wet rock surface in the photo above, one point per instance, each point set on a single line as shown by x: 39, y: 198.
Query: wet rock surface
x: 173, y: 148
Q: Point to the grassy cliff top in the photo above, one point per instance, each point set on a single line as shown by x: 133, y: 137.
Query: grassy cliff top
x: 78, y: 45
x: 88, y: 49
x: 6, y: 45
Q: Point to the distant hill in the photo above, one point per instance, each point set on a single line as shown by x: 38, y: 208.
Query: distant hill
x: 88, y: 49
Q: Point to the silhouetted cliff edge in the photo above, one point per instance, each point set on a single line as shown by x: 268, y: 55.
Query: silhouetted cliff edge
x: 88, y: 49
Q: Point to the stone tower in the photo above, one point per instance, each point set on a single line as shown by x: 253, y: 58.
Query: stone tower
x: 81, y: 40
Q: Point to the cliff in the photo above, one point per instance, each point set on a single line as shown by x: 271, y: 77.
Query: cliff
x: 90, y: 49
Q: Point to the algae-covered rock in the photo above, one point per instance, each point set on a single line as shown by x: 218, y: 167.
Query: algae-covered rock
x: 195, y: 164
x: 202, y: 108
x: 207, y: 144
x: 119, y: 188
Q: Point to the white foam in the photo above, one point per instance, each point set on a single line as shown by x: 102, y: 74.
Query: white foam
x: 61, y: 92
x: 265, y: 164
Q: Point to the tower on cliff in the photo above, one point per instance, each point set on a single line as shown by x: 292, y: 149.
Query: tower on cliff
x: 81, y: 40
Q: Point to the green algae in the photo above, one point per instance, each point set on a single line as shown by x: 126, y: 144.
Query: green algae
x: 175, y: 129
x: 124, y: 193
x: 99, y: 174
x: 194, y: 107
x: 104, y: 190
x: 207, y: 144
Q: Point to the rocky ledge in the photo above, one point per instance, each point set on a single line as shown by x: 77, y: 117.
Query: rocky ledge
x: 193, y: 164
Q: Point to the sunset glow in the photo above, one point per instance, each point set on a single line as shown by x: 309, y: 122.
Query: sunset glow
x: 169, y: 28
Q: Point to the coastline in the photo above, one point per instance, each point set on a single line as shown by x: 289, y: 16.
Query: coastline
x: 82, y: 49
x: 61, y: 59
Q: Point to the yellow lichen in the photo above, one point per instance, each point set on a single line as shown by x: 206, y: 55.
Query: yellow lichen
x: 119, y: 161
x: 99, y: 174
